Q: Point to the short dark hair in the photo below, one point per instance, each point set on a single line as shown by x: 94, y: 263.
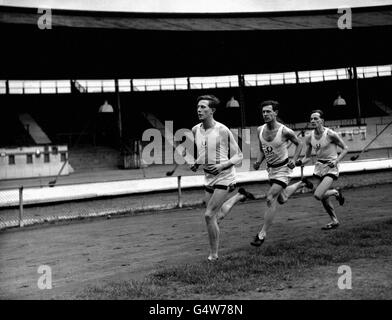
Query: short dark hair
x: 273, y: 103
x: 319, y: 112
x: 213, y: 101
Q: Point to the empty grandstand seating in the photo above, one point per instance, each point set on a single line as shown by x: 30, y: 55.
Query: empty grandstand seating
x: 87, y: 158
x: 33, y: 129
x: 12, y: 132
x: 71, y: 118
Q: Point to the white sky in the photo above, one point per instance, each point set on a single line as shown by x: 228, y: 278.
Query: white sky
x: 202, y: 6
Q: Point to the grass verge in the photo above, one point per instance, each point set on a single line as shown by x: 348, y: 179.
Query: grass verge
x: 246, y: 269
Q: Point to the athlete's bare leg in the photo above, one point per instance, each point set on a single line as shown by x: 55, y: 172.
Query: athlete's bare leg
x: 323, y: 192
x: 286, y: 193
x: 327, y: 204
x: 269, y: 214
x: 276, y: 194
x: 228, y: 205
x: 214, y: 203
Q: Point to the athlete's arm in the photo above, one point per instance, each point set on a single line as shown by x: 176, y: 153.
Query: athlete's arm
x: 236, y: 154
x: 336, y: 139
x: 260, y: 154
x: 308, y: 153
x: 194, y: 166
x: 290, y: 136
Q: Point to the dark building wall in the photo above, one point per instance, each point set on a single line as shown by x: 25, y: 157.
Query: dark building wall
x: 76, y: 113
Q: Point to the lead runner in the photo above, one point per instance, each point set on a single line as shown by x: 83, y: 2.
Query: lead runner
x: 217, y: 147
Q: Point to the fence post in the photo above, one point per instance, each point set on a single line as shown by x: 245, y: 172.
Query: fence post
x: 179, y: 191
x: 302, y: 177
x: 21, y: 206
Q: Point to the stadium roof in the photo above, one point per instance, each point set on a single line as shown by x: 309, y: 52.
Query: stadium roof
x: 247, y: 21
x: 201, y: 6
x: 92, y: 44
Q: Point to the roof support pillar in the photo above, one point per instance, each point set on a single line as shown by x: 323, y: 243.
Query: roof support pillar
x: 357, y: 100
x: 241, y: 82
x: 118, y: 104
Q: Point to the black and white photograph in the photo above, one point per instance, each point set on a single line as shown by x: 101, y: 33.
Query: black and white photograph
x: 212, y: 152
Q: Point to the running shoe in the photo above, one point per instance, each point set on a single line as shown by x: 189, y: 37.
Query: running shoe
x: 247, y: 194
x: 308, y: 183
x: 331, y: 225
x: 340, y: 197
x: 212, y: 259
x: 257, y: 242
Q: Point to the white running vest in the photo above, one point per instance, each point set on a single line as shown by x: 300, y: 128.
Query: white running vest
x: 275, y: 151
x: 325, y: 150
x: 212, y: 148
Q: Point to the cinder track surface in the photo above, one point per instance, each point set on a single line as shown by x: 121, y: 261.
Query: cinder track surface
x: 123, y: 248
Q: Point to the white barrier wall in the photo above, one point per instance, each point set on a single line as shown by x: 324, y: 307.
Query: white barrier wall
x: 37, y: 195
x: 36, y: 161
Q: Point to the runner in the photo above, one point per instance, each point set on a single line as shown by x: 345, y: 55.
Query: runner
x: 273, y: 146
x: 325, y: 142
x: 217, y: 147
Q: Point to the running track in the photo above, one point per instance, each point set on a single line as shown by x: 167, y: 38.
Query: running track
x: 87, y: 253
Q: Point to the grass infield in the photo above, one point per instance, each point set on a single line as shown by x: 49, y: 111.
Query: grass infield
x: 254, y: 269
